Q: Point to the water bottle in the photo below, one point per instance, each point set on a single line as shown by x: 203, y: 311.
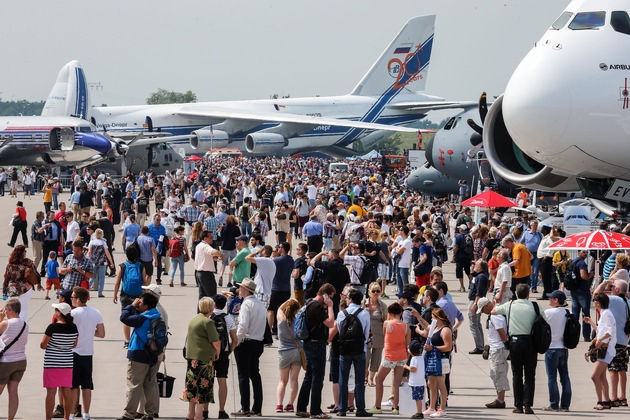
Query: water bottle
x: 4, y: 296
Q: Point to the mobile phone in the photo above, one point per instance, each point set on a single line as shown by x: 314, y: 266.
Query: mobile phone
x: 325, y: 296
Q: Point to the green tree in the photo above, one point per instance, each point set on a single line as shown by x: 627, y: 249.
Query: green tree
x: 163, y: 96
x: 21, y: 107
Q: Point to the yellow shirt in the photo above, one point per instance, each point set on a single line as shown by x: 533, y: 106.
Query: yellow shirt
x: 524, y: 266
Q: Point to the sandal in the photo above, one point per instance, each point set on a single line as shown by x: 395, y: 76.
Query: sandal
x: 321, y: 416
x: 351, y: 409
x: 615, y: 403
x: 623, y: 402
x: 599, y: 406
x: 331, y: 406
x: 171, y: 284
x: 606, y: 404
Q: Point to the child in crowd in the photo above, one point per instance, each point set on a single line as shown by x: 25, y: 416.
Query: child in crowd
x: 52, y: 277
x: 416, y: 377
x: 234, y: 303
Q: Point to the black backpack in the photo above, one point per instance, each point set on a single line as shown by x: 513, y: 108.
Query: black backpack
x: 541, y: 332
x: 224, y: 334
x: 351, y: 337
x: 440, y: 221
x: 572, y: 331
x: 438, y: 243
x: 468, y: 245
x: 368, y: 271
x: 570, y: 278
x: 316, y: 282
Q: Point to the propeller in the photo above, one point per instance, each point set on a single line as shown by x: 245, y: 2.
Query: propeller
x: 476, y: 138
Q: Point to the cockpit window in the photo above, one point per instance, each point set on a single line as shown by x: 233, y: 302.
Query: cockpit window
x: 588, y: 20
x: 620, y: 22
x: 452, y: 123
x: 561, y: 21
x: 84, y: 128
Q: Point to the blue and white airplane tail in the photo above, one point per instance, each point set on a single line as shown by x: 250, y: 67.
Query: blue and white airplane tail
x: 70, y: 94
x: 404, y: 63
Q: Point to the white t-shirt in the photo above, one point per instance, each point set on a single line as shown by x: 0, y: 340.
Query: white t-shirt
x: 557, y: 319
x: 417, y: 378
x: 497, y: 322
x: 265, y: 272
x: 405, y: 260
x: 312, y: 192
x: 73, y: 230
x: 86, y: 320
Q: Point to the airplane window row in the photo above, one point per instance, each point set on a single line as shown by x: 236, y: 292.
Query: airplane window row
x: 619, y: 20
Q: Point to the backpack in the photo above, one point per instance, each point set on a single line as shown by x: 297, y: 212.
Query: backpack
x: 541, y: 332
x: 351, y: 336
x: 427, y: 265
x: 440, y: 221
x: 175, y: 248
x: 132, y: 279
x: 300, y: 327
x: 157, y: 337
x: 572, y: 331
x: 368, y: 271
x: 468, y: 245
x: 438, y: 243
x: 317, y: 281
x: 224, y: 334
x: 570, y: 278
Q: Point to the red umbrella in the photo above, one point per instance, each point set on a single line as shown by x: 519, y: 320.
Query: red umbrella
x: 489, y: 199
x: 598, y: 240
x: 193, y: 158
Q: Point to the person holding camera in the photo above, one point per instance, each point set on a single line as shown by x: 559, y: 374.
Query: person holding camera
x: 77, y: 267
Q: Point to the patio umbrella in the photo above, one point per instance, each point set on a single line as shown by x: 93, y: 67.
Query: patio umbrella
x: 489, y: 199
x: 193, y: 158
x: 596, y: 240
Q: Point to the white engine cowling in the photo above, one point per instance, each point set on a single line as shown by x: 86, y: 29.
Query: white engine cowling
x: 205, y: 139
x: 265, y: 143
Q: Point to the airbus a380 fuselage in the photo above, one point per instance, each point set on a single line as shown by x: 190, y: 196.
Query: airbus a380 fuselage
x: 565, y: 111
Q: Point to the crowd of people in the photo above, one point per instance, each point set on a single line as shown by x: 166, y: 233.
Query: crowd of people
x: 284, y: 249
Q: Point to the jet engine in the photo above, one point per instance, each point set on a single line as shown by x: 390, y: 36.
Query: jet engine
x: 510, y: 163
x: 265, y: 143
x: 205, y: 138
x: 61, y: 139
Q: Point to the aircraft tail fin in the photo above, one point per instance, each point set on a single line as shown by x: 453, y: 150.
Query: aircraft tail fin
x: 70, y: 94
x: 404, y: 63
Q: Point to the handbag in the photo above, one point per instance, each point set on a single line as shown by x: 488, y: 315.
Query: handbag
x: 186, y: 257
x: 32, y: 277
x: 17, y: 221
x: 593, y: 353
x: 433, y: 362
x: 302, y: 354
x: 165, y: 383
x: 8, y: 346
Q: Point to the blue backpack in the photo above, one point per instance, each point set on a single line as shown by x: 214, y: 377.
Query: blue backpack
x: 132, y: 279
x: 300, y: 328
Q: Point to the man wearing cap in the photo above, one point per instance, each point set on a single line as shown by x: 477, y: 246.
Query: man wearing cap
x: 241, y: 268
x: 497, y: 338
x: 620, y: 307
x: 89, y: 322
x: 205, y: 265
x: 557, y: 356
x: 250, y: 333
x: 313, y: 231
x: 531, y: 239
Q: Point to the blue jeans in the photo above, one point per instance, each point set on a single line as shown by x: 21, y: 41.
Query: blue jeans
x: 99, y: 277
x: 535, y: 272
x: 55, y: 201
x: 179, y: 261
x: 582, y: 302
x: 557, y: 362
x: 402, y: 278
x: 313, y: 382
x: 246, y: 228
x: 345, y: 362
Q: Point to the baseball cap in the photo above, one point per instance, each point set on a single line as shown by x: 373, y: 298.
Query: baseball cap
x: 557, y: 294
x: 66, y: 293
x: 463, y: 226
x: 406, y: 295
x: 481, y: 303
x: 415, y: 347
x: 242, y: 238
x: 154, y: 289
x: 64, y: 308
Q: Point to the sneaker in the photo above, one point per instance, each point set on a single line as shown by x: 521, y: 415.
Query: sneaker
x: 395, y: 411
x: 428, y: 412
x: 253, y: 414
x: 363, y: 413
x: 551, y: 409
x: 289, y: 408
x: 58, y: 413
x: 223, y: 415
x: 375, y: 410
x: 496, y: 404
x: 86, y: 417
x: 418, y: 416
x: 240, y: 413
x: 528, y: 410
x: 126, y: 344
x: 388, y: 403
x: 565, y: 409
x: 302, y: 414
x: 439, y: 413
x: 279, y: 408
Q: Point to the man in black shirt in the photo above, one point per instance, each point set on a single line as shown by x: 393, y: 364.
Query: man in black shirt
x: 334, y: 272
x: 319, y: 318
x: 142, y: 209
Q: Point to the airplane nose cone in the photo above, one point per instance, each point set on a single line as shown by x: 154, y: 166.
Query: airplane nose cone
x: 537, y: 102
x: 95, y: 141
x: 414, y: 182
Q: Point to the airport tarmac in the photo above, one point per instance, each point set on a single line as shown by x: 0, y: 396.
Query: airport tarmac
x: 471, y: 383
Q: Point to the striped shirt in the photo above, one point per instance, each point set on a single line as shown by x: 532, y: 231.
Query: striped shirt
x: 211, y: 224
x: 59, y: 349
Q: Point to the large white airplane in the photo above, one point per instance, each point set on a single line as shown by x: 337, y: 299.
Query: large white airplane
x: 385, y: 100
x: 565, y: 113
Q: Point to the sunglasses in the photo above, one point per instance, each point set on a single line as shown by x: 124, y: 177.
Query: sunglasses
x: 376, y: 290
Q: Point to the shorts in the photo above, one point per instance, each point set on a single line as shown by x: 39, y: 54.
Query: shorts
x: 383, y: 271
x: 417, y: 393
x: 499, y: 369
x: 148, y: 267
x: 461, y: 267
x: 12, y: 371
x: 228, y: 256
x: 53, y: 282
x: 619, y: 363
x: 126, y: 300
x: 277, y: 299
x: 82, y: 372
x: 288, y: 358
x: 57, y: 377
x: 222, y: 366
x: 388, y: 364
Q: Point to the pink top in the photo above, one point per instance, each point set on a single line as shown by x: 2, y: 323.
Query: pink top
x: 395, y: 345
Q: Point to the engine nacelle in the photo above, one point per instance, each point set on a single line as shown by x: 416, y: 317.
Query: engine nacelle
x: 265, y: 143
x: 206, y: 139
x: 61, y: 139
x: 510, y: 163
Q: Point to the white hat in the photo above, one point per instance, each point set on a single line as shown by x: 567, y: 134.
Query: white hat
x: 463, y: 226
x: 154, y: 289
x: 64, y: 308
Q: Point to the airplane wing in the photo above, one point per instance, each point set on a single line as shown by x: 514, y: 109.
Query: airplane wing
x: 432, y: 106
x: 218, y: 116
x: 143, y: 138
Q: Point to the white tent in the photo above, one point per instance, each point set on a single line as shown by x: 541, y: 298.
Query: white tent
x: 371, y: 155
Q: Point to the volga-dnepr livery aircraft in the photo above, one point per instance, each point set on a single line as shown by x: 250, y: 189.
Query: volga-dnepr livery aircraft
x: 385, y: 100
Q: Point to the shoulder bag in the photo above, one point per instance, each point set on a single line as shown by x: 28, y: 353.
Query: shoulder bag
x: 17, y: 337
x: 301, y: 350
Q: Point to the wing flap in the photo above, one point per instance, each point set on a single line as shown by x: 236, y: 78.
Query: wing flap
x: 421, y: 106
